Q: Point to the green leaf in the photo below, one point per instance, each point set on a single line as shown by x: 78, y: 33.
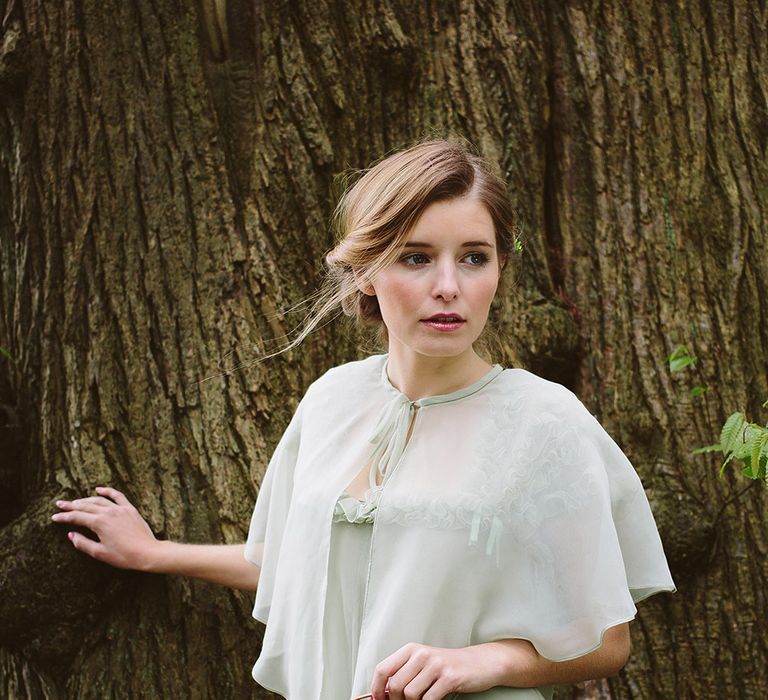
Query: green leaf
x: 717, y: 447
x: 722, y: 468
x: 680, y: 363
x: 759, y: 447
x: 731, y: 435
x: 747, y: 471
x: 743, y: 449
x: 680, y: 359
x: 758, y: 441
x: 697, y: 391
x: 5, y: 353
x: 754, y: 469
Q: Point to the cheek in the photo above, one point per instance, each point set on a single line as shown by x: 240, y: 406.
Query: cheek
x: 395, y: 297
x: 486, y: 292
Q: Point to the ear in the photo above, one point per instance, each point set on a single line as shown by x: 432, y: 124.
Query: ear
x: 364, y: 284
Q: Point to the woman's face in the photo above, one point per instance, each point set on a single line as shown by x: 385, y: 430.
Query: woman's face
x: 435, y: 298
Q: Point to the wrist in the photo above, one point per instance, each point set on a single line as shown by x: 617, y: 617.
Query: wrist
x: 513, y: 662
x: 155, y: 556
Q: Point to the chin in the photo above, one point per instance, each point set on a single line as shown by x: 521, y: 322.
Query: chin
x: 435, y: 344
x: 442, y: 349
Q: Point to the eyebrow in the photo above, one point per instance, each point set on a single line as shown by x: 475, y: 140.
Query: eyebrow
x: 468, y: 244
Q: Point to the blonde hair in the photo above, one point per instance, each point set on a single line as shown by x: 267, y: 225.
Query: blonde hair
x: 375, y: 216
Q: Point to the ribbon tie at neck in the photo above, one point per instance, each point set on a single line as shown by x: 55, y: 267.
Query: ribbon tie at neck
x: 390, y: 435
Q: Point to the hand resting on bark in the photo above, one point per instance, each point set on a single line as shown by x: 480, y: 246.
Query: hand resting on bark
x: 127, y: 542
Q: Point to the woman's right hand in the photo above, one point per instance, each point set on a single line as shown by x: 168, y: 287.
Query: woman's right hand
x: 125, y: 539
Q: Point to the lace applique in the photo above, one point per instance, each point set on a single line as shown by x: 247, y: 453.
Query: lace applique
x: 521, y: 479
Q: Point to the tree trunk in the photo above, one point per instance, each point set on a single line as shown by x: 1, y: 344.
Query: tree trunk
x: 167, y: 173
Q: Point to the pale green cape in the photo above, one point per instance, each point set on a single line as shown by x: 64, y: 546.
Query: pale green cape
x: 510, y: 513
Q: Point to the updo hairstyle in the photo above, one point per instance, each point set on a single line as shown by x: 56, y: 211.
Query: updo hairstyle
x: 375, y: 216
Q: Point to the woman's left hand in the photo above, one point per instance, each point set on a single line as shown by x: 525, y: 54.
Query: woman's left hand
x: 420, y: 672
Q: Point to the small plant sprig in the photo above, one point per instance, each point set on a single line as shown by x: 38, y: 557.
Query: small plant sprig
x: 739, y: 439
x: 679, y: 360
x: 744, y: 441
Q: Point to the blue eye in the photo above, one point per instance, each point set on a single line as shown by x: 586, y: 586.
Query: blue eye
x: 415, y: 258
x: 478, y: 259
x: 418, y: 259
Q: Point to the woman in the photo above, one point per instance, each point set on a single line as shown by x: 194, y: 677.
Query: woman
x: 429, y: 523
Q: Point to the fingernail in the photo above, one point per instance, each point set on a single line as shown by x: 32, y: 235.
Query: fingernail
x: 71, y: 536
x: 58, y: 503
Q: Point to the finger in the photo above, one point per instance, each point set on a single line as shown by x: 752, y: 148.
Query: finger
x: 76, y: 518
x: 414, y: 677
x: 387, y: 668
x: 114, y: 494
x: 423, y: 686
x: 86, y: 544
x: 97, y: 500
x: 442, y: 687
x: 88, y: 505
x: 80, y: 501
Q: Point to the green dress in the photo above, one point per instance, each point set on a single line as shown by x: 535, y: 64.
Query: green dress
x: 350, y: 545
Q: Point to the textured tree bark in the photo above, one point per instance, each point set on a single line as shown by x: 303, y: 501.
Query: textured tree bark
x: 167, y: 173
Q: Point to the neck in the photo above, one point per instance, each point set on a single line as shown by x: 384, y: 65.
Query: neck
x: 419, y: 376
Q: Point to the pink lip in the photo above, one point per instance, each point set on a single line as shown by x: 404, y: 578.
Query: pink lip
x: 444, y: 317
x: 444, y: 324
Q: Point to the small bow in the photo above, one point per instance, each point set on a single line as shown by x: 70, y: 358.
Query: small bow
x: 390, y: 434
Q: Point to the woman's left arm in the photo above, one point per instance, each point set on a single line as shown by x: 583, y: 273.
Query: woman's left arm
x: 432, y: 673
x: 521, y: 666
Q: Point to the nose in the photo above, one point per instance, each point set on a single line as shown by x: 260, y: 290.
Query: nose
x: 446, y: 284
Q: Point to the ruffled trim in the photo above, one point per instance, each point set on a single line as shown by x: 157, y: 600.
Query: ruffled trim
x: 352, y: 510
